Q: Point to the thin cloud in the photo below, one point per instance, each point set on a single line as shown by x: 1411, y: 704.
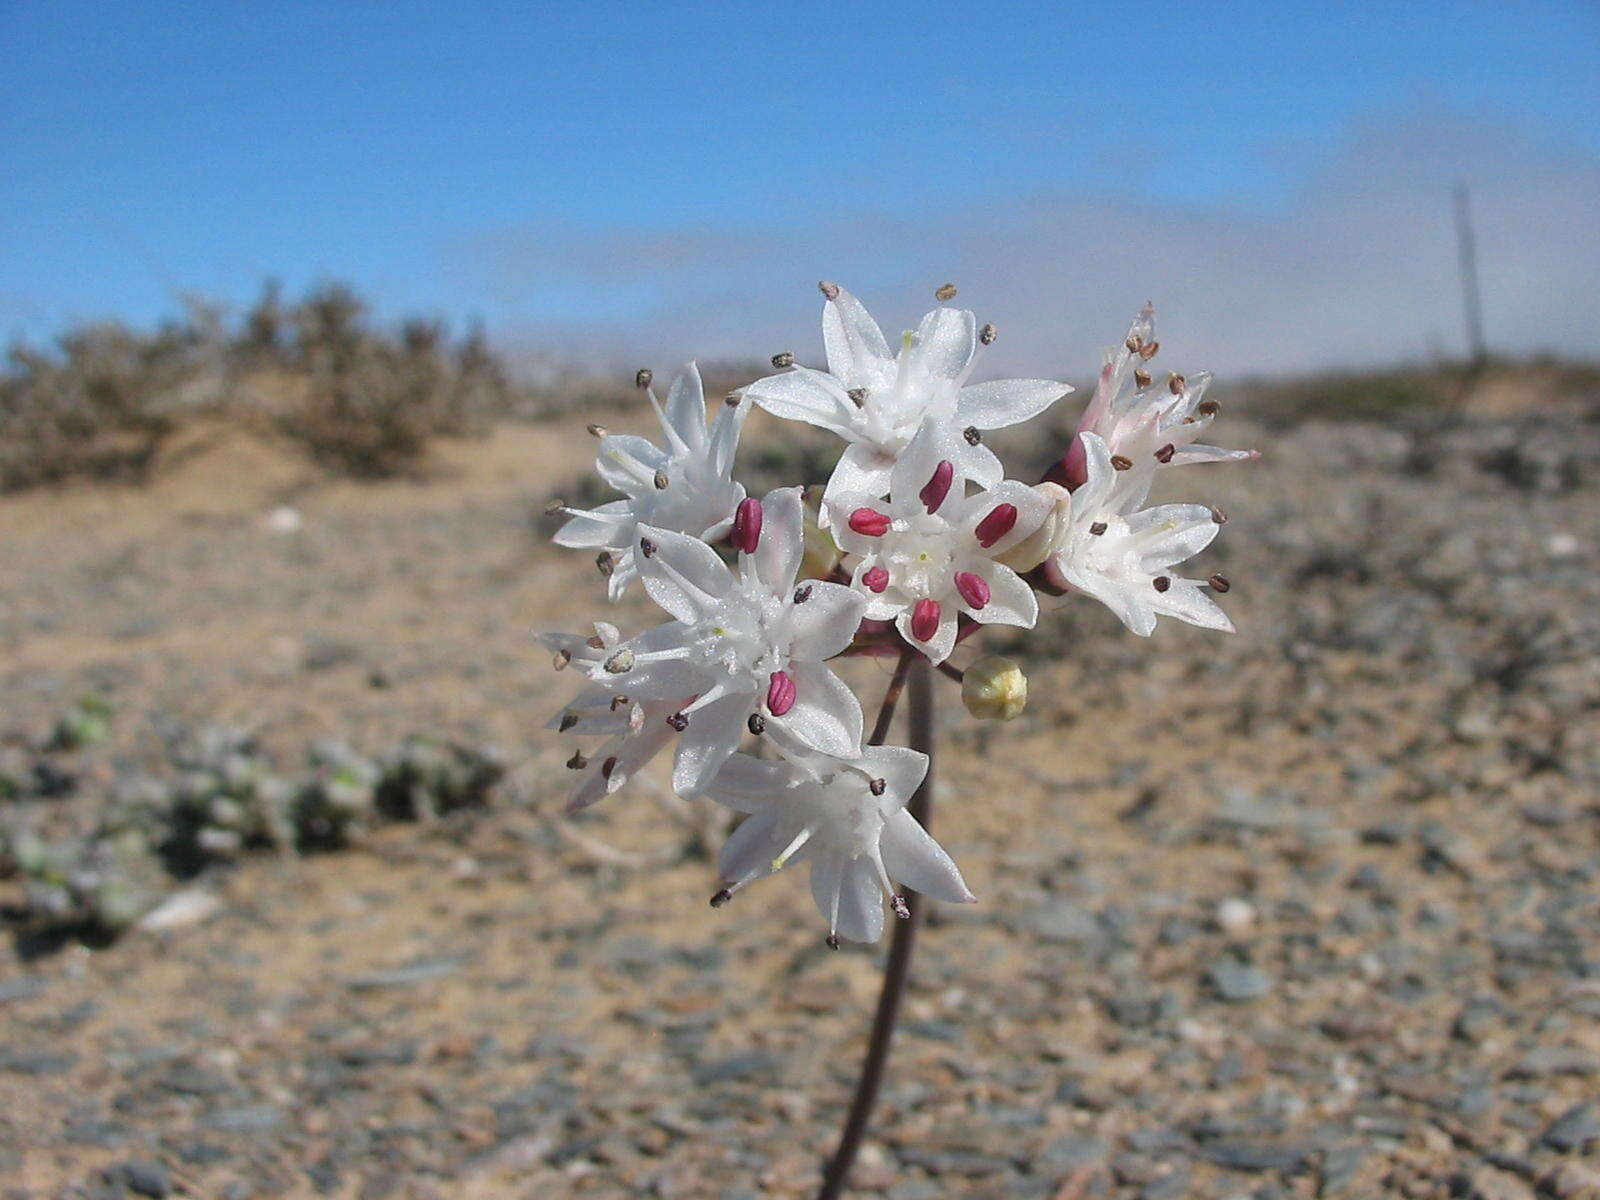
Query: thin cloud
x: 1357, y: 268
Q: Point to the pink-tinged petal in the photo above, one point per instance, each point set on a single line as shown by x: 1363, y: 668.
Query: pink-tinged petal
x: 747, y: 519
x: 826, y: 623
x: 999, y: 521
x: 869, y: 522
x: 1006, y: 402
x: 826, y: 715
x: 782, y: 538
x: 933, y: 492
x: 974, y: 589
x: 912, y: 858
x: 925, y: 620
x: 856, y: 349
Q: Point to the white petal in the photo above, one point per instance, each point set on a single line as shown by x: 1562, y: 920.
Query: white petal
x: 827, y: 622
x: 916, y: 466
x: 947, y: 339
x: 1170, y: 533
x: 944, y: 639
x: 782, y: 543
x: 725, y: 429
x: 914, y: 859
x: 610, y: 525
x: 1032, y: 508
x: 860, y: 901
x: 977, y: 463
x: 750, y: 849
x: 1011, y: 601
x: 686, y: 408
x: 803, y: 395
x: 1006, y: 402
x: 901, y: 768
x: 827, y: 876
x: 713, y: 735
x: 746, y: 783
x: 683, y: 575
x: 631, y: 751
x: 628, y: 463
x: 860, y: 477
x: 856, y: 349
x: 826, y: 715
x: 1133, y: 610
x: 1188, y: 601
x: 1205, y: 454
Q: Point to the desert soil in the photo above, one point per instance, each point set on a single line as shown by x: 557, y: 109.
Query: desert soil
x: 1309, y: 910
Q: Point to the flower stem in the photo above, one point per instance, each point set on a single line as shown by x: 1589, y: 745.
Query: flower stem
x: 891, y: 697
x: 920, y: 737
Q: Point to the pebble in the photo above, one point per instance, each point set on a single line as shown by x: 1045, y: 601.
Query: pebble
x: 1238, y: 982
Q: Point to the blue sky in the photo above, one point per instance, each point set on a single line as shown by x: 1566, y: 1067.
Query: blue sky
x: 577, y: 174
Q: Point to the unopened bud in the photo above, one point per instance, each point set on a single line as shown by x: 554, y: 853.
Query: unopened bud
x: 994, y: 689
x: 1041, y: 543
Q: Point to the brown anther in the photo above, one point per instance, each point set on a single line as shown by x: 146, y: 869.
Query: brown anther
x: 642, y: 377
x: 620, y: 663
x: 577, y: 762
x: 1164, y: 455
x: 568, y: 720
x: 1141, y: 378
x: 608, y: 766
x: 618, y: 702
x: 757, y: 724
x: 1121, y: 462
x: 831, y: 941
x: 660, y: 480
x: 878, y: 786
x: 1208, y: 408
x: 1133, y: 343
x: 802, y: 593
x: 733, y: 399
x: 784, y: 358
x: 647, y: 547
x: 678, y: 721
x: 1218, y: 517
x: 563, y: 657
x: 988, y: 333
x: 596, y: 429
x: 1097, y: 528
x: 945, y: 292
x: 604, y: 563
x: 1219, y: 583
x: 830, y: 290
x: 972, y: 435
x: 1161, y: 583
x: 555, y: 506
x: 1176, y: 384
x: 595, y: 642
x: 1148, y: 350
x: 720, y: 897
x: 858, y: 396
x: 901, y: 908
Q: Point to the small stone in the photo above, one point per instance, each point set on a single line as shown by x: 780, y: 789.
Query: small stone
x: 1234, y: 915
x: 1573, y: 1129
x: 1238, y: 982
x: 146, y: 1179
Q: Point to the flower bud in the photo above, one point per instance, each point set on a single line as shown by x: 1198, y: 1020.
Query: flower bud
x: 994, y: 689
x: 1038, y: 545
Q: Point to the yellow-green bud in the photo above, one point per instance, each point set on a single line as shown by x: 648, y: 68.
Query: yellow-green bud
x: 1041, y: 543
x: 820, y: 555
x: 994, y: 689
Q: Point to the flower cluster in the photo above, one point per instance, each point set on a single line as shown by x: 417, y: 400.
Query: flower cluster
x: 917, y: 540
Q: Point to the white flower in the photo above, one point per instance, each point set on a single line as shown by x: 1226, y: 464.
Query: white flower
x: 1146, y: 421
x: 929, y: 553
x: 848, y: 819
x: 746, y: 650
x: 688, y: 488
x: 877, y: 401
x: 1124, y: 558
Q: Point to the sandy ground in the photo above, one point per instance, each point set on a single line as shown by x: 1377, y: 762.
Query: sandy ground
x: 1306, y: 911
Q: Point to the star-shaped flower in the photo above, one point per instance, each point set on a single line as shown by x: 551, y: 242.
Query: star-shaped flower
x: 928, y: 554
x: 1124, y: 557
x: 847, y: 817
x: 877, y: 400
x: 686, y: 488
x: 1146, y: 421
x: 748, y: 648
